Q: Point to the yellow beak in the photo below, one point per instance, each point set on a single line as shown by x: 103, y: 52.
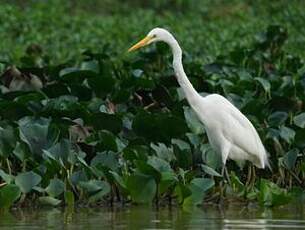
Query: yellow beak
x: 140, y: 44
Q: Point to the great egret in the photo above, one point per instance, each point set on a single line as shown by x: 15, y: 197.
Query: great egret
x: 230, y: 133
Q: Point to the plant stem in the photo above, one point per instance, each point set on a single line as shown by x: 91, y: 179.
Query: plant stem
x: 8, y: 166
x: 296, y: 177
x: 2, y: 184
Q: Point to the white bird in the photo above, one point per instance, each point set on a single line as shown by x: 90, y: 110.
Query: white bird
x: 230, y: 133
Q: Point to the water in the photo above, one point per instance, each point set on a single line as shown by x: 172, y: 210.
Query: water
x: 141, y: 217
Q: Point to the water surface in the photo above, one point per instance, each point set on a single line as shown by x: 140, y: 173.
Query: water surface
x: 142, y: 217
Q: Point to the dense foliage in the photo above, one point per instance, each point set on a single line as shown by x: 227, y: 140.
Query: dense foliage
x: 112, y: 127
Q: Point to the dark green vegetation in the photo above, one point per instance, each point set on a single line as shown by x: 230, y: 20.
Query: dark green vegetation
x: 100, y: 125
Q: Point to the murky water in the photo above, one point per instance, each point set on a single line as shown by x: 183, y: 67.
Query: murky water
x: 141, y: 217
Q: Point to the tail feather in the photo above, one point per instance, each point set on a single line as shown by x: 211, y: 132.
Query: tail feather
x: 266, y: 161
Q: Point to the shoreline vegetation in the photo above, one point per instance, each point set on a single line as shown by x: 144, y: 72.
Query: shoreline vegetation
x: 85, y: 123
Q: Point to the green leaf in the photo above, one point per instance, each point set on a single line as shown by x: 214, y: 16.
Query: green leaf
x: 6, y: 177
x: 75, y: 75
x: 119, y: 180
x: 210, y: 157
x: 277, y: 118
x: 182, y: 192
x: 193, y: 122
x: 48, y: 200
x: 102, y: 85
x: 27, y: 181
x: 100, y: 194
x: 94, y: 186
x: 12, y: 110
x: 290, y: 158
x: 198, y: 187
x: 78, y: 176
x: 264, y: 83
x: 137, y: 73
x: 105, y: 121
x: 105, y: 159
x: 163, y: 151
x: 90, y: 66
x: 299, y: 138
x: 182, y: 151
x: 60, y: 152
x: 21, y: 151
x: 159, y: 164
x: 37, y: 134
x: 147, y: 169
x: 210, y: 171
x: 194, y: 139
x: 8, y: 195
x: 158, y: 127
x: 271, y: 195
x: 299, y: 120
x: 287, y: 134
x: 7, y: 140
x: 237, y: 185
x: 147, y: 190
x: 56, y: 187
x: 168, y: 179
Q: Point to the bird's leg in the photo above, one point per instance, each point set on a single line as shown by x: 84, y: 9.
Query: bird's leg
x: 224, y: 153
x: 221, y: 185
x: 227, y: 175
x: 223, y: 171
x: 253, y: 176
x: 249, y: 176
x: 250, y: 180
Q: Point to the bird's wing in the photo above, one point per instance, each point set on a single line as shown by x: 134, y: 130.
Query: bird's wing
x: 243, y: 134
x: 239, y: 131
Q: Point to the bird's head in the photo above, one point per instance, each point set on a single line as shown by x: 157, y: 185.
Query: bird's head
x: 155, y: 35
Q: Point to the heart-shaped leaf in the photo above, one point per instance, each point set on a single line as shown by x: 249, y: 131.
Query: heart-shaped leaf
x: 27, y: 181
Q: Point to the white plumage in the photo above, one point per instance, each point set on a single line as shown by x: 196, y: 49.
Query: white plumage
x: 230, y: 133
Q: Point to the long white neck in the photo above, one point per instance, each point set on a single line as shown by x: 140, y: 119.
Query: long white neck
x: 188, y: 89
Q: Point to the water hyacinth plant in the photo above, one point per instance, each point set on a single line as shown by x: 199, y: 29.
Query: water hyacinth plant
x: 118, y: 129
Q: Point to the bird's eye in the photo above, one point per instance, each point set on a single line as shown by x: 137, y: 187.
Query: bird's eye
x: 154, y: 36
